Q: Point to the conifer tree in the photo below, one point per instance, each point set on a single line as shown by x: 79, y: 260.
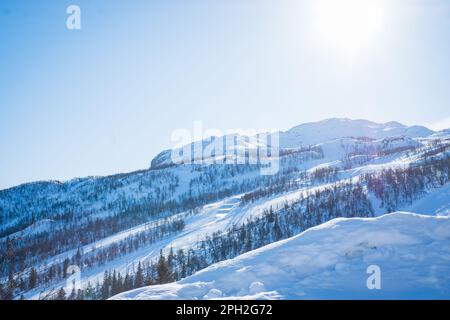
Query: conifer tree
x: 32, y: 280
x: 61, y: 295
x: 163, y: 270
x: 139, y: 278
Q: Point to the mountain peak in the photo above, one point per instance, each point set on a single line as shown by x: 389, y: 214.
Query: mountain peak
x: 335, y: 128
x: 312, y: 133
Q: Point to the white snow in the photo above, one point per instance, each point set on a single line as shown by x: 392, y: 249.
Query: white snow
x: 330, y: 261
x: 306, y: 134
x: 307, y: 267
x: 436, y: 202
x: 36, y: 228
x: 223, y: 214
x: 329, y: 129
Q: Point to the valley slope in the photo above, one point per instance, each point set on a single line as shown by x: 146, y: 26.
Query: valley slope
x: 330, y: 261
x: 195, y: 215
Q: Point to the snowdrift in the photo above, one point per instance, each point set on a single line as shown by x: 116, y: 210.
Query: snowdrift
x: 331, y: 261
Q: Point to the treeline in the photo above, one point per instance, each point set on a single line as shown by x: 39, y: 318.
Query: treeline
x: 114, y: 282
x: 53, y: 199
x: 57, y: 271
x: 155, y: 199
x: 310, y: 209
x: 366, y: 150
x: 278, y: 185
x: 152, y: 198
x: 325, y: 174
x: 282, y: 184
x: 395, y: 187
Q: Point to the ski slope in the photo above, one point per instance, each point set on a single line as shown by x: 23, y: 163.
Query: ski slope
x: 330, y: 261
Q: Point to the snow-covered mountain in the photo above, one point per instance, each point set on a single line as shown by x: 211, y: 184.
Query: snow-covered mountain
x: 335, y: 128
x: 306, y: 134
x: 330, y: 261
x: 117, y: 229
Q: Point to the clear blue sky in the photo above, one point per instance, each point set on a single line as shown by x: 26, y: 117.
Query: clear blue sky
x: 106, y: 98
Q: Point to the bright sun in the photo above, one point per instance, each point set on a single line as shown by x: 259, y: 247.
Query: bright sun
x: 348, y: 25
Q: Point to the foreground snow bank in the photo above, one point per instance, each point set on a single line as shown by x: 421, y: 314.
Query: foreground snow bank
x: 330, y: 262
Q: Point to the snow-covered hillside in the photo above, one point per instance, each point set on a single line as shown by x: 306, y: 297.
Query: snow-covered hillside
x: 330, y: 261
x: 195, y: 215
x: 329, y: 129
x: 306, y: 134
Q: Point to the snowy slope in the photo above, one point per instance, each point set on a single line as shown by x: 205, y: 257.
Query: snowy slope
x: 306, y: 134
x: 352, y: 147
x: 329, y: 129
x: 443, y: 134
x: 220, y: 215
x: 437, y: 202
x: 40, y: 226
x: 330, y: 261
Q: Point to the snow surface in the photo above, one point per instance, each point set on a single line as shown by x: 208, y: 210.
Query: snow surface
x: 436, y: 202
x: 336, y: 137
x: 328, y: 129
x: 330, y: 261
x: 311, y: 133
x: 223, y: 214
x: 36, y: 228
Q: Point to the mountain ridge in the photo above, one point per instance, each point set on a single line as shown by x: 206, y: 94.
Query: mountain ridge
x: 312, y: 133
x: 118, y: 221
x: 161, y: 159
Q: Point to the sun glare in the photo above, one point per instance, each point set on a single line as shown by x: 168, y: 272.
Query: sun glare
x: 348, y: 25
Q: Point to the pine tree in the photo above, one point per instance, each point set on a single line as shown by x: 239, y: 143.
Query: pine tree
x: 248, y: 242
x: 171, y: 257
x: 139, y: 278
x: 276, y: 230
x: 89, y: 293
x: 32, y: 280
x: 128, y: 282
x: 181, y: 262
x: 80, y: 295
x: 61, y: 295
x: 66, y: 264
x: 120, y: 282
x: 163, y: 270
x: 9, y: 293
x: 73, y: 294
x: 105, y: 286
x: 114, y: 285
x: 11, y: 284
x: 78, y: 257
x: 22, y: 285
